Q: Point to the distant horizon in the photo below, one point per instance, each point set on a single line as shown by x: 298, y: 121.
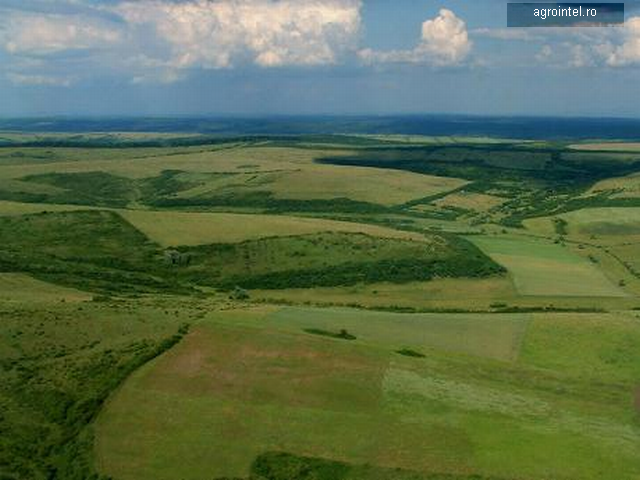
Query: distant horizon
x: 275, y: 116
x: 435, y: 125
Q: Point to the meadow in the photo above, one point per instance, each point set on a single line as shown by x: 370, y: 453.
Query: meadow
x: 244, y: 388
x: 317, y: 307
x: 541, y: 268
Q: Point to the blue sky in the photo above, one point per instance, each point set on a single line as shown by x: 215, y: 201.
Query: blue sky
x: 256, y: 57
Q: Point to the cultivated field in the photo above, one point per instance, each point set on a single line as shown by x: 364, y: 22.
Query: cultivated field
x: 19, y: 288
x: 243, y: 388
x: 541, y: 268
x: 608, y: 147
x: 317, y: 307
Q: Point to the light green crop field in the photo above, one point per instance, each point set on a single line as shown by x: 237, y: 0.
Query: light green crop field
x: 21, y: 208
x: 248, y: 382
x: 187, y: 228
x: 604, y: 221
x: 598, y: 222
x: 542, y: 268
x: 590, y: 346
x: 489, y: 335
x: 608, y: 146
x: 18, y: 287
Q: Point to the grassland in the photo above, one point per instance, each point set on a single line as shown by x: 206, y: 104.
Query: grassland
x: 243, y: 388
x: 541, y: 268
x: 493, y: 336
x: 361, y: 308
x: 608, y: 147
x: 284, y: 173
x: 19, y: 288
x: 21, y: 208
x: 191, y: 228
x: 603, y: 222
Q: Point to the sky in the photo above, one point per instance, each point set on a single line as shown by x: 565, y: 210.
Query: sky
x: 306, y: 57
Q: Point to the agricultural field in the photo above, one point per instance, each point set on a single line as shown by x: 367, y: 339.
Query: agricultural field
x: 19, y: 288
x: 608, y: 147
x: 541, y: 268
x: 193, y: 228
x: 317, y: 307
x: 244, y: 389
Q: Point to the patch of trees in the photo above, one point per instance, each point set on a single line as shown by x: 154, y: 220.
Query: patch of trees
x: 51, y: 440
x: 286, y: 466
x: 341, y: 335
x: 402, y: 270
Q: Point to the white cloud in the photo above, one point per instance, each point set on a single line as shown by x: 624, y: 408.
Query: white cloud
x: 545, y: 53
x: 221, y: 34
x: 505, y: 33
x: 628, y: 52
x: 37, y: 34
x: 444, y: 42
x: 48, y: 80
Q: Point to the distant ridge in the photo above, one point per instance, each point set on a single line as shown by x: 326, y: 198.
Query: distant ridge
x: 541, y: 128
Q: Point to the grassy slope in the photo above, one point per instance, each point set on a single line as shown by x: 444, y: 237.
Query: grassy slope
x: 243, y: 388
x: 18, y: 287
x: 183, y: 228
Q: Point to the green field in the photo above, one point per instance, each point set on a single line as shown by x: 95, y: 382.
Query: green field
x: 317, y: 307
x: 487, y: 335
x: 189, y: 228
x: 18, y: 287
x: 616, y: 222
x: 541, y: 268
x: 244, y: 388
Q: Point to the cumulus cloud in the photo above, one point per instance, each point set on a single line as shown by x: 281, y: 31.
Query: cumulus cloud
x: 444, y: 42
x: 505, y: 33
x: 628, y: 52
x: 37, y: 34
x: 586, y: 47
x: 221, y: 34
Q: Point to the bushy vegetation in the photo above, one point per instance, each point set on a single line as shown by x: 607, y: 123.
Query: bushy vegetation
x: 537, y: 181
x: 407, y: 352
x: 283, y: 466
x: 87, y: 249
x: 332, y: 259
x: 341, y: 335
x: 98, y: 250
x: 57, y: 369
